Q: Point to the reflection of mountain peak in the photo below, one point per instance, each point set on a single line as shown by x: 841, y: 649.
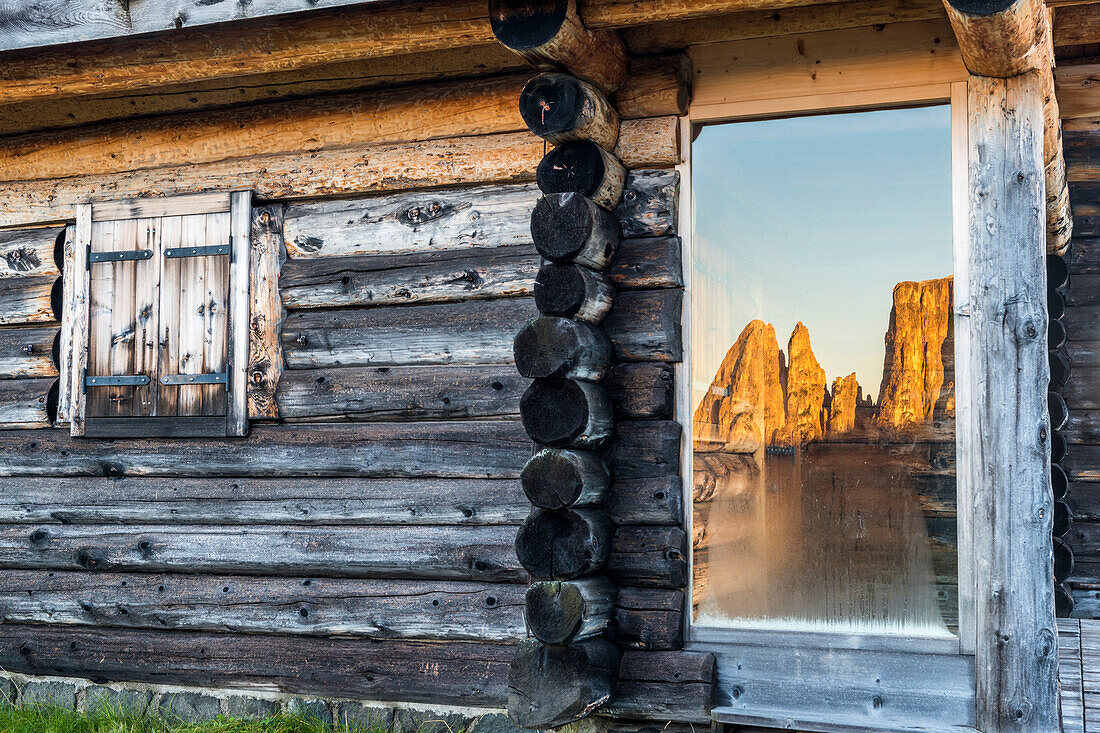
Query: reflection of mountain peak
x: 758, y: 396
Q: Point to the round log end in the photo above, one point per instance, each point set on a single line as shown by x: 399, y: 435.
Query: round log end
x: 552, y: 104
x: 1063, y: 601
x: 1059, y: 481
x: 523, y: 25
x: 565, y: 544
x: 568, y: 227
x: 1063, y: 560
x: 557, y: 479
x: 1056, y: 304
x: 554, y: 610
x: 1063, y: 517
x: 981, y: 7
x: 1057, y: 272
x: 573, y: 167
x: 560, y: 347
x: 551, y: 685
x: 1059, y: 367
x: 1058, y: 447
x: 1056, y: 334
x: 572, y: 291
x: 565, y: 412
x: 1057, y: 410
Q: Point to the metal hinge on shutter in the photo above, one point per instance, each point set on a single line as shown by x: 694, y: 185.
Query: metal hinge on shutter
x: 115, y: 380
x: 182, y: 379
x: 117, y: 256
x: 209, y: 250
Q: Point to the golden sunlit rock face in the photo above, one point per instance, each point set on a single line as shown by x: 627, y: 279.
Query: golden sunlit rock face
x: 762, y: 396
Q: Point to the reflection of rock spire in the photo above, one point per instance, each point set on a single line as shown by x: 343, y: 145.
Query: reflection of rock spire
x: 744, y: 405
x: 805, y: 393
x: 919, y: 351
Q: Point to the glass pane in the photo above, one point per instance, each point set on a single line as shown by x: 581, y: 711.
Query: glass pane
x: 823, y: 374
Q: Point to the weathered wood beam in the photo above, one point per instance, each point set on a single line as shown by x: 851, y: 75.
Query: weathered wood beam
x: 665, y: 686
x: 311, y: 606
x: 573, y: 291
x: 482, y: 553
x: 559, y: 347
x: 583, y: 168
x: 25, y: 300
x: 28, y: 352
x: 460, y: 673
x: 551, y: 685
x: 27, y: 403
x: 567, y: 413
x: 560, y: 479
x: 1076, y: 25
x: 654, y: 557
x: 649, y: 619
x: 561, y: 108
x: 376, y: 168
x: 265, y: 355
x: 1017, y: 683
x: 564, y: 544
x: 564, y: 612
x: 456, y: 449
x: 550, y: 34
x: 1006, y: 38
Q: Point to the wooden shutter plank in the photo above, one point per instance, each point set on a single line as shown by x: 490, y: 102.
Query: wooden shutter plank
x: 216, y: 314
x: 121, y: 354
x: 168, y: 330
x: 101, y: 277
x: 69, y: 276
x: 190, y: 323
x: 146, y: 317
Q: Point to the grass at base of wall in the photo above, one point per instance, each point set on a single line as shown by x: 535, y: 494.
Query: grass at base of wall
x: 42, y: 719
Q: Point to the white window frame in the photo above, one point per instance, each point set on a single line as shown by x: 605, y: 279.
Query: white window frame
x: 824, y: 681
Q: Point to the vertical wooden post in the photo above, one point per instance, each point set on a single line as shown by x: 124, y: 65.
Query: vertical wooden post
x: 75, y: 314
x: 1016, y: 652
x: 240, y: 227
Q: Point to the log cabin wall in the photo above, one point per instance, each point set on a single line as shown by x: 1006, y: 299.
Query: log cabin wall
x: 360, y: 541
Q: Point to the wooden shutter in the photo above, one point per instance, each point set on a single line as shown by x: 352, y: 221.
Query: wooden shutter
x: 157, y: 303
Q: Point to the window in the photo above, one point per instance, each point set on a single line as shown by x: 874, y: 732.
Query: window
x: 156, y: 317
x: 823, y: 391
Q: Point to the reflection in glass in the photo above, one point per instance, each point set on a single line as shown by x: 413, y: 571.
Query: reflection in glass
x: 824, y: 464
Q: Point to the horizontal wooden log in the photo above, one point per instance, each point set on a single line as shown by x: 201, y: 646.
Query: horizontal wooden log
x: 1083, y: 354
x: 561, y: 108
x: 398, y: 115
x: 1057, y: 273
x: 482, y: 553
x: 1059, y: 368
x: 650, y: 204
x: 262, y: 501
x: 573, y: 291
x: 655, y: 86
x: 654, y: 557
x: 649, y: 619
x: 1082, y: 291
x: 564, y: 612
x: 415, y: 671
x: 1056, y: 304
x: 30, y: 299
x: 564, y: 544
x: 1082, y: 323
x: 475, y: 332
x: 401, y: 392
x: 27, y: 403
x: 1082, y: 463
x: 1058, y: 447
x: 567, y: 413
x: 418, y: 221
x: 555, y: 478
x: 29, y: 252
x: 647, y: 263
x: 1059, y: 482
x: 643, y: 389
x: 1057, y: 410
x: 476, y: 449
x: 551, y: 685
x: 999, y: 38
x: 1083, y: 426
x: 1063, y: 560
x: 423, y: 277
x: 657, y: 500
x: 551, y: 33
x: 1056, y: 334
x: 583, y: 168
x: 28, y: 352
x: 1062, y: 518
x: 644, y: 449
x: 380, y: 609
x: 676, y: 686
x: 653, y: 141
x: 551, y: 347
x: 644, y: 325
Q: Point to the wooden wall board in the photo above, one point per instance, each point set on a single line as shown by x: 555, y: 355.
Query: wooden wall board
x: 740, y: 77
x: 29, y: 252
x: 26, y: 403
x: 267, y: 253
x: 459, y: 673
x: 456, y: 449
x: 262, y: 501
x: 27, y: 352
x: 313, y: 606
x: 26, y: 300
x: 482, y: 553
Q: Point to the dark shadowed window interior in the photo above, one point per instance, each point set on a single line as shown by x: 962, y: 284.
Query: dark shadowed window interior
x: 822, y: 374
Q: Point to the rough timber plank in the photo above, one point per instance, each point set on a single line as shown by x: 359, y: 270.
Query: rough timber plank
x: 27, y: 352
x: 1090, y: 665
x: 1018, y: 682
x: 1070, y: 682
x: 25, y: 403
x: 461, y: 673
x: 483, y: 553
x: 29, y: 299
x: 265, y: 355
x: 29, y: 252
x: 380, y: 609
x: 256, y: 501
x: 453, y: 449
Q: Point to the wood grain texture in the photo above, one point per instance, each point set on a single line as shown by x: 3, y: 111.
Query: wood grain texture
x: 433, y: 672
x: 28, y: 352
x: 412, y: 114
x: 28, y: 299
x: 452, y: 449
x: 1016, y: 683
x: 317, y: 606
x: 262, y: 501
x: 29, y: 252
x: 26, y: 403
x: 649, y: 619
x: 678, y: 686
x: 483, y: 553
x: 650, y: 204
x: 75, y: 316
x: 1004, y: 43
x: 653, y: 142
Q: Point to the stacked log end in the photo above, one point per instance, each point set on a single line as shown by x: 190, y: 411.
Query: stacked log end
x: 569, y: 668
x: 1057, y: 283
